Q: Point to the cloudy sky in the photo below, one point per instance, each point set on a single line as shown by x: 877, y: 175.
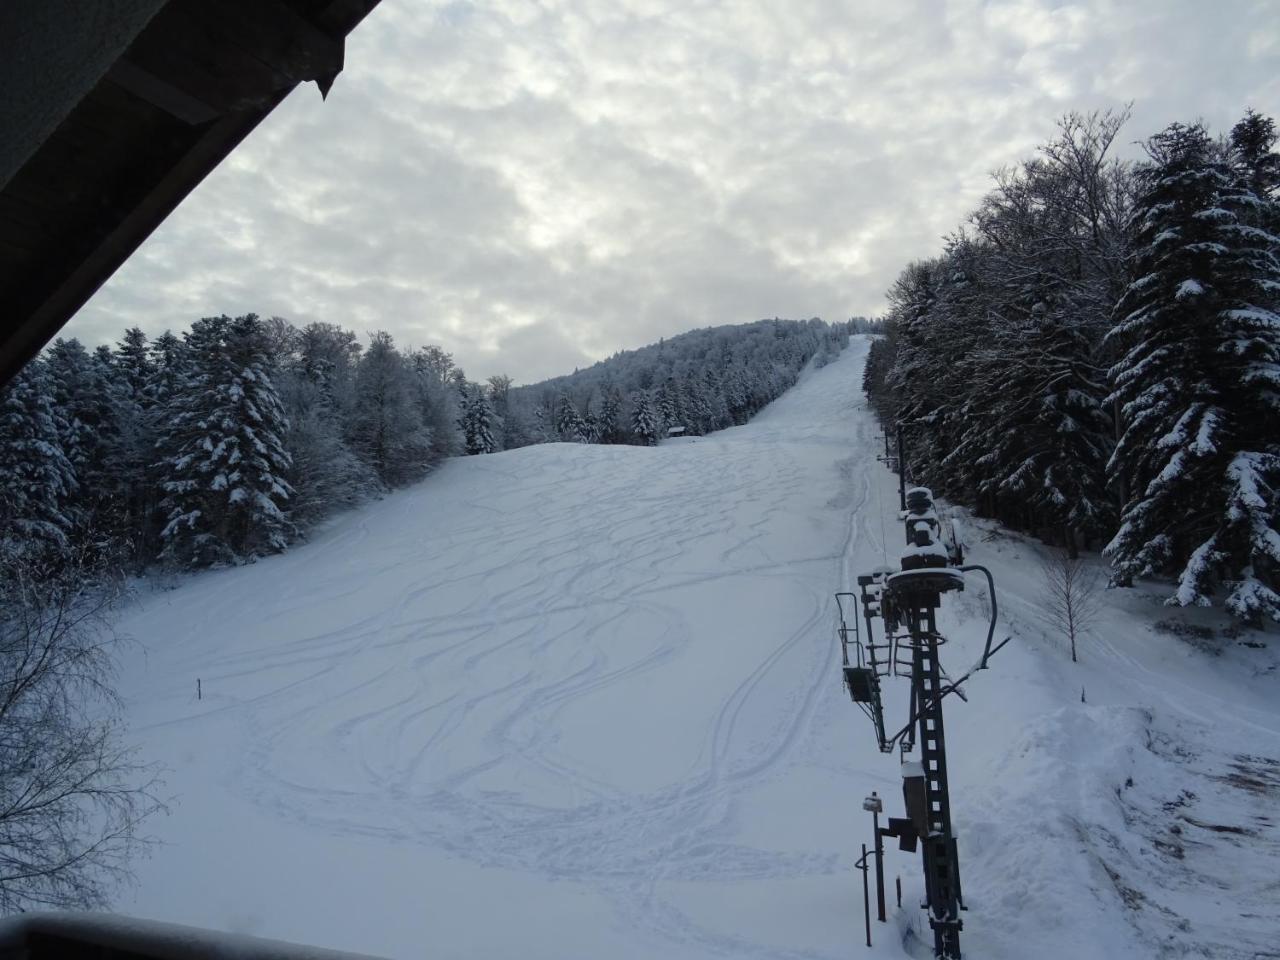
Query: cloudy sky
x: 534, y: 185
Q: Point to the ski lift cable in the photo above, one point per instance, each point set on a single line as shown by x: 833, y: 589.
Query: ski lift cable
x: 884, y: 553
x: 987, y: 654
x: 948, y: 689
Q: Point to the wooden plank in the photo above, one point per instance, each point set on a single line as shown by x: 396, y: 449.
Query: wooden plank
x: 152, y: 89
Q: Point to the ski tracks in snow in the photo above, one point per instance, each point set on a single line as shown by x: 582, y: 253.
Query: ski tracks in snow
x: 431, y: 669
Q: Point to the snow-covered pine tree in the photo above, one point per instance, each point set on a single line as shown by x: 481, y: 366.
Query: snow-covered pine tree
x: 317, y: 392
x: 80, y: 398
x: 880, y: 359
x: 752, y: 363
x: 713, y: 392
x: 36, y: 478
x: 222, y: 461
x: 992, y: 355
x: 911, y: 300
x: 697, y: 413
x: 645, y: 421
x: 1199, y: 380
x: 94, y: 405
x: 439, y: 403
x: 569, y: 423
x: 1250, y: 532
x: 505, y: 428
x: 1255, y: 163
x: 133, y: 361
x: 669, y: 411
x: 1034, y: 421
x: 476, y: 420
x: 385, y: 427
x: 458, y: 380
x: 326, y: 475
x: 147, y: 375
x: 1034, y: 435
x: 948, y: 399
x: 611, y: 414
x: 167, y: 369
x: 590, y: 423
x: 737, y: 393
x: 544, y: 421
x: 326, y: 356
x: 564, y: 415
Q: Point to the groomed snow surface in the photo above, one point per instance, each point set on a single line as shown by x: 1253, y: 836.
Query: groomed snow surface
x: 584, y: 701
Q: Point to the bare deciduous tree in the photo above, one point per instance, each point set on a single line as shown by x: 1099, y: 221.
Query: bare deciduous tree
x: 1072, y: 591
x: 71, y: 796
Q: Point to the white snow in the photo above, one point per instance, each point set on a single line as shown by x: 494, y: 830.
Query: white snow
x: 933, y: 549
x: 1188, y: 288
x: 585, y: 701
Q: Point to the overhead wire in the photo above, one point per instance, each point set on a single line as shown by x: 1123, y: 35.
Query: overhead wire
x: 884, y: 554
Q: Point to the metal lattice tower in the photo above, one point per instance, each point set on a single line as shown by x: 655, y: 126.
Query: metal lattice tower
x: 906, y: 601
x: 941, y: 865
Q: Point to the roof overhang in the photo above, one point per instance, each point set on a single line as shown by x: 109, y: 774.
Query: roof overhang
x: 115, y: 111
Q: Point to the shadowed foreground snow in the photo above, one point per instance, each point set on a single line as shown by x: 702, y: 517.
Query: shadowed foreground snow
x: 584, y: 701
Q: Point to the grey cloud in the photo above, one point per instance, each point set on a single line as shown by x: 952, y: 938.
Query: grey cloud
x: 537, y: 186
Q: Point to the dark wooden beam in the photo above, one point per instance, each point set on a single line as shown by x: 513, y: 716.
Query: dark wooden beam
x: 185, y: 93
x: 160, y: 93
x: 54, y: 297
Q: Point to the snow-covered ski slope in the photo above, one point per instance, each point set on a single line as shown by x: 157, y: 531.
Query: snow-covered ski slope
x: 584, y: 701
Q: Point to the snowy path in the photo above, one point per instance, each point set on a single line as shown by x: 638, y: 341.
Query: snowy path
x: 568, y: 701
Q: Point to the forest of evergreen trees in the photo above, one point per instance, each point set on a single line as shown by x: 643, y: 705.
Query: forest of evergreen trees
x: 228, y: 442
x: 1095, y: 357
x: 697, y: 382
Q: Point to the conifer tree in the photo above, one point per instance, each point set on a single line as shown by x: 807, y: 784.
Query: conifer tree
x: 477, y: 417
x: 718, y: 410
x: 1199, y: 381
x: 80, y: 394
x: 223, y: 462
x: 36, y: 478
x: 544, y: 421
x: 386, y: 428
x: 645, y: 418
x: 610, y: 425
x: 1256, y: 164
x: 439, y: 401
x: 504, y: 427
x: 668, y: 405
x: 317, y: 393
x: 167, y: 370
x: 880, y: 357
x: 697, y: 412
x: 92, y: 403
x: 590, y: 423
x: 326, y: 357
x: 133, y: 360
x: 737, y: 394
x: 569, y: 422
x: 326, y: 475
